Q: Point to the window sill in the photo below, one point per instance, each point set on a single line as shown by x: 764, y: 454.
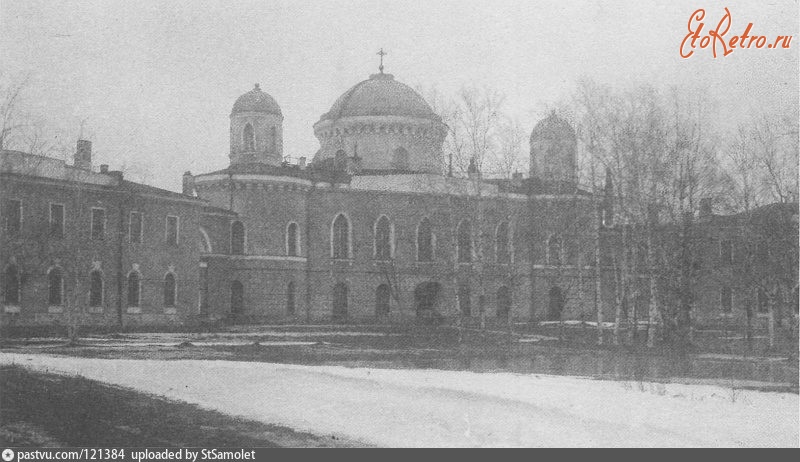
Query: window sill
x: 171, y: 310
x: 11, y: 309
x: 94, y: 309
x: 55, y: 309
x: 133, y: 310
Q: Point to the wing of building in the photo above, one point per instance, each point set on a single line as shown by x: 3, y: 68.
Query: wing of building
x: 371, y: 230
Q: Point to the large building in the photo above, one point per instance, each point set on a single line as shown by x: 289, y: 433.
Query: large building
x: 369, y: 231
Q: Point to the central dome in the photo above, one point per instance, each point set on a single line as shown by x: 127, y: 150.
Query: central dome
x: 380, y: 95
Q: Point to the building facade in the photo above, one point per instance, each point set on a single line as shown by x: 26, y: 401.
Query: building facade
x: 369, y: 231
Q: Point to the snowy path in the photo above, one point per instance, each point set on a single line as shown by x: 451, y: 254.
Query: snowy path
x: 445, y: 408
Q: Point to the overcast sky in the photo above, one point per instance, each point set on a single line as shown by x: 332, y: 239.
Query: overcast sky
x: 156, y: 79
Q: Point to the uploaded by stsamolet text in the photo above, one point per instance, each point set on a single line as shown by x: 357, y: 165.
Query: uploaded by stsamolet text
x: 722, y: 41
x: 122, y: 454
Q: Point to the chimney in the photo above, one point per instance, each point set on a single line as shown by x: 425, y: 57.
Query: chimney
x: 188, y: 184
x: 83, y: 155
x: 301, y: 163
x: 705, y: 208
x: 103, y: 168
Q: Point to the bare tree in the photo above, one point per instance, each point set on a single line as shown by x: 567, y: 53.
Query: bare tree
x: 12, y: 121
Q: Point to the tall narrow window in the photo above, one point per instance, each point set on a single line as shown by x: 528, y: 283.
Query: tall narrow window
x: 95, y: 289
x: 237, y: 238
x: 502, y: 243
x: 11, y: 285
x: 134, y: 289
x: 425, y: 240
x: 464, y: 242
x: 725, y: 252
x: 726, y: 299
x: 273, y: 140
x: 570, y: 247
x: 554, y: 251
x: 464, y: 302
x: 98, y: 224
x: 291, y: 240
x: 290, y: 298
x: 56, y: 221
x: 55, y: 279
x: 173, y: 226
x: 135, y: 228
x: 340, y: 238
x: 382, y: 296
x: 12, y: 217
x: 503, y: 302
x: 763, y: 302
x: 169, y: 290
x: 248, y: 138
x: 383, y: 239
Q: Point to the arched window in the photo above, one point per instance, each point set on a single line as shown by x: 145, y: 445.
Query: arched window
x: 464, y: 242
x: 292, y: 247
x: 237, y: 298
x: 237, y: 238
x: 554, y: 251
x: 11, y: 285
x: 273, y: 140
x: 290, y: 299
x: 340, y: 238
x: 424, y: 240
x: 95, y: 288
x: 382, y: 296
x: 383, y: 239
x: 400, y: 159
x: 464, y: 302
x: 248, y: 138
x: 169, y: 290
x: 503, y: 302
x: 502, y: 243
x: 55, y: 279
x: 134, y: 289
x: 340, y: 302
x: 204, y: 242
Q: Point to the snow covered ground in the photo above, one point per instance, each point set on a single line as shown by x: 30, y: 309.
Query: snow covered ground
x: 454, y: 408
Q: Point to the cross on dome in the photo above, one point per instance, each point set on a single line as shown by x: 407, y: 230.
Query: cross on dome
x: 381, y: 54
